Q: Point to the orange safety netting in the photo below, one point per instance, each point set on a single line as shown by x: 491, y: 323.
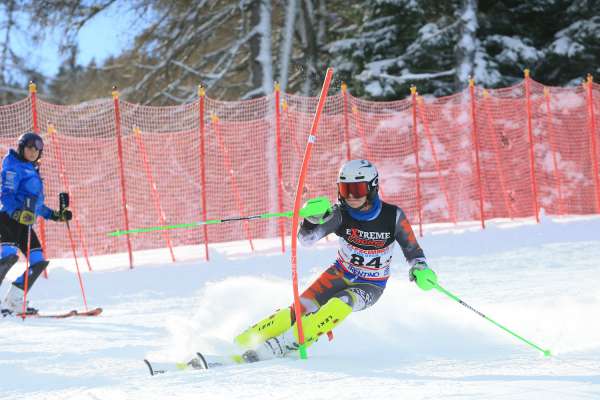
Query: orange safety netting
x: 457, y: 158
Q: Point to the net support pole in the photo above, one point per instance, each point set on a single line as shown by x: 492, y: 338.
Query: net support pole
x: 534, y: 187
x: 553, y: 149
x: 202, y: 128
x: 346, y: 121
x: 65, y: 183
x: 281, y: 222
x: 234, y: 186
x: 413, y: 93
x: 475, y: 139
x: 312, y: 137
x: 594, y: 143
x: 36, y: 129
x: 115, y: 95
x: 441, y: 180
x: 137, y: 133
x: 499, y: 169
x: 363, y: 139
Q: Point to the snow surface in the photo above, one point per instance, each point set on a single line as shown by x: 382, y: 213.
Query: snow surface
x: 540, y: 280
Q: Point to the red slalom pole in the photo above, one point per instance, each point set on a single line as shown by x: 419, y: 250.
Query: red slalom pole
x: 312, y: 137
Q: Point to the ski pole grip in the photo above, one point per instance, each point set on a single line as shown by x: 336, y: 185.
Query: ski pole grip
x: 316, y: 206
x: 63, y: 200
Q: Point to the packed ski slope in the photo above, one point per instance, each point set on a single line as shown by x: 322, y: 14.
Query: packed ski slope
x: 542, y: 281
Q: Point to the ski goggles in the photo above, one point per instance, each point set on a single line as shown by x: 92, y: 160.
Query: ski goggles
x: 357, y: 189
x: 35, y: 143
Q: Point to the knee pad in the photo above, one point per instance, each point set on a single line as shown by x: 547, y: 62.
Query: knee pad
x: 8, y: 250
x: 36, y: 256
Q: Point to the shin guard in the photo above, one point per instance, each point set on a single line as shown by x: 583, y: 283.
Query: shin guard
x: 273, y: 325
x: 34, y: 272
x: 324, y: 320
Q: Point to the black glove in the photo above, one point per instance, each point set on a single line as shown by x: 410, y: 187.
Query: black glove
x: 62, y: 215
x: 24, y: 217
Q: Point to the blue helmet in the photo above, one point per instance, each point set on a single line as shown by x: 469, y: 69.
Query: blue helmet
x: 30, y: 139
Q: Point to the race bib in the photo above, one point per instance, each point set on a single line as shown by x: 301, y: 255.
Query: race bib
x: 366, y: 264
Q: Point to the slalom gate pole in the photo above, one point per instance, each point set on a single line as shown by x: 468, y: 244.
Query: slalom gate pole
x: 316, y: 206
x: 312, y: 137
x: 546, y: 353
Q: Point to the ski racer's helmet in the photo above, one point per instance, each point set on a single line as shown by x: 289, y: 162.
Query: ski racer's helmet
x: 30, y: 139
x: 359, y: 178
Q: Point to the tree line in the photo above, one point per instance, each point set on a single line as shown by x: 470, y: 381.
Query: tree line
x: 237, y: 49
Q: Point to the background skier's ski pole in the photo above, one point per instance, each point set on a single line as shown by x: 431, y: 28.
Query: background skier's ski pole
x: 316, y: 206
x: 63, y: 202
x: 29, y: 206
x: 432, y: 284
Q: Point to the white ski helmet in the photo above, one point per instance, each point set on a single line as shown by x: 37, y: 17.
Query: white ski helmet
x: 358, y: 177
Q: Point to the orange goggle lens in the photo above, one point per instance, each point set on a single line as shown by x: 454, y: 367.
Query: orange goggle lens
x: 357, y: 189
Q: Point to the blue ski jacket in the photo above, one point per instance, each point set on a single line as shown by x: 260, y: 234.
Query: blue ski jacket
x: 20, y: 180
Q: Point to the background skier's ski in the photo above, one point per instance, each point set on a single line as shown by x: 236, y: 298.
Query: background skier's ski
x: 73, y: 313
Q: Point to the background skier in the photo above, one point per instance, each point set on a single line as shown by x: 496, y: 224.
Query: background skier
x: 22, y: 201
x: 367, y: 228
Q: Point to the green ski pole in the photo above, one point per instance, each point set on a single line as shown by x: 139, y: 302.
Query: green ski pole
x: 427, y: 280
x: 316, y: 206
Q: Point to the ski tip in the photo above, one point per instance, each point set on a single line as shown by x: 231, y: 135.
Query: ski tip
x: 202, y: 360
x: 90, y: 313
x: 149, y: 367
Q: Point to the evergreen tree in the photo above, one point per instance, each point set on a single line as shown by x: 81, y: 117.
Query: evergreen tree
x: 399, y: 43
x: 437, y: 45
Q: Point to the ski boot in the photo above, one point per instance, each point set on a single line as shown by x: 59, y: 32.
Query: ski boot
x: 13, y: 303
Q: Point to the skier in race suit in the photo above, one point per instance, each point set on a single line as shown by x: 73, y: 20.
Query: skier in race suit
x: 367, y: 229
x: 22, y: 200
